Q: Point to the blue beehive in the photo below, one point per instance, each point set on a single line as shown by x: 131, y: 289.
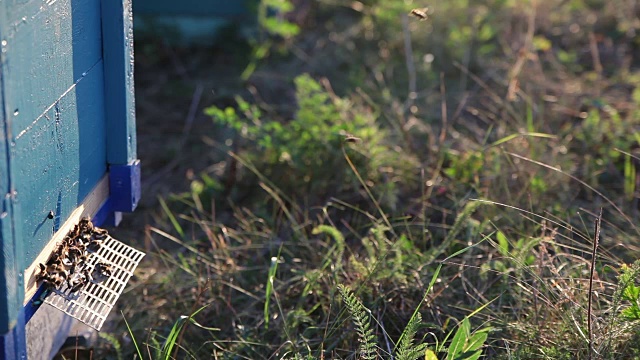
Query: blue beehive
x: 68, y: 145
x: 188, y: 21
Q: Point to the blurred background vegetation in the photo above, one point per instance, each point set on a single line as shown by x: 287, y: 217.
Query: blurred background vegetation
x: 345, y: 179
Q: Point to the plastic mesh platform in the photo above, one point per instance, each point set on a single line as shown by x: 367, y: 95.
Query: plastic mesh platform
x: 92, y: 303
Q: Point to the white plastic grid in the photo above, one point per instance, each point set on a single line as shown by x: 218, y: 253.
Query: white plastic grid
x: 94, y: 301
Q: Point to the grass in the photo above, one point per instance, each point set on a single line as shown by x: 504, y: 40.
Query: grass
x: 396, y: 188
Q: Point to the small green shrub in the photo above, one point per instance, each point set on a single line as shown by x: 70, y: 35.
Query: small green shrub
x: 629, y: 292
x: 271, y: 27
x: 306, y: 155
x: 406, y: 350
x: 362, y: 322
x: 465, y: 344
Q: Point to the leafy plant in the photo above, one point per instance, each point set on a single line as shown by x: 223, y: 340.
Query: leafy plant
x: 360, y: 316
x: 406, y: 349
x: 306, y: 154
x: 271, y: 25
x: 114, y: 342
x: 466, y: 345
x: 605, y: 132
x: 629, y: 292
x: 385, y: 259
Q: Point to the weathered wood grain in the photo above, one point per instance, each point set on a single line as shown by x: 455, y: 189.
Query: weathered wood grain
x: 54, y: 80
x: 117, y: 30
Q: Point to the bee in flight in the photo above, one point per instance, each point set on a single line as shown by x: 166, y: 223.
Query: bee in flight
x: 421, y: 13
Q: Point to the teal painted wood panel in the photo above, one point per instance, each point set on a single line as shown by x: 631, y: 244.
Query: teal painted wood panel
x: 42, y: 72
x: 193, y: 7
x: 71, y: 159
x: 117, y: 30
x: 54, y: 82
x: 54, y: 149
x: 10, y: 264
x: 190, y: 22
x: 11, y: 281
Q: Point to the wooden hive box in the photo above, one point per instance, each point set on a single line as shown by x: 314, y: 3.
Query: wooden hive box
x: 188, y: 21
x: 68, y: 144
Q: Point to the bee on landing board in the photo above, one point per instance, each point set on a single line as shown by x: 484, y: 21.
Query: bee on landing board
x: 103, y: 269
x: 69, y: 262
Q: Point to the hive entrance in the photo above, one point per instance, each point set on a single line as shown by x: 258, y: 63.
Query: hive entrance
x: 105, y: 271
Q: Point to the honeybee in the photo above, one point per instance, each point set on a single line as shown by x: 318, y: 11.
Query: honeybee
x: 57, y: 279
x: 84, y: 237
x: 86, y: 224
x: 99, y: 233
x: 74, y: 232
x: 43, y: 274
x: 94, y: 245
x: 77, y: 280
x: 352, y: 139
x: 420, y: 13
x: 52, y: 276
x: 103, y: 269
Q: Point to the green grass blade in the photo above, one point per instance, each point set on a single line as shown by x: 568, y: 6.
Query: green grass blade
x: 170, y: 342
x: 269, y: 288
x: 133, y: 338
x: 172, y: 338
x: 530, y: 127
x: 474, y: 312
x: 527, y: 134
x: 503, y: 243
x: 191, y: 320
x: 629, y: 177
x: 172, y: 218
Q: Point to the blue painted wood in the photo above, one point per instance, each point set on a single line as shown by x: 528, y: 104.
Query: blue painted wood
x: 190, y: 22
x: 53, y: 144
x: 51, y: 68
x: 53, y: 83
x: 13, y: 344
x: 12, y: 317
x: 10, y: 264
x: 124, y: 186
x: 66, y: 113
x: 117, y: 30
x: 193, y: 7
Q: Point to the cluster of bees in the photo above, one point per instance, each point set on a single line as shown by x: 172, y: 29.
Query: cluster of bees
x: 68, y: 263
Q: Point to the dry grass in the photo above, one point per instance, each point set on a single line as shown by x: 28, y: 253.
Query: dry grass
x: 521, y: 123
